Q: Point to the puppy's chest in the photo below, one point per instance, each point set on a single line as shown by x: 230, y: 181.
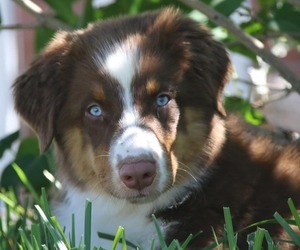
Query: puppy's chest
x: 107, y: 215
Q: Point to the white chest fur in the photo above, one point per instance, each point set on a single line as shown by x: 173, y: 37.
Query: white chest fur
x: 108, y: 213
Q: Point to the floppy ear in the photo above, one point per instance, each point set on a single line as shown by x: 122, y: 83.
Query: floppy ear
x: 211, y: 64
x: 38, y: 92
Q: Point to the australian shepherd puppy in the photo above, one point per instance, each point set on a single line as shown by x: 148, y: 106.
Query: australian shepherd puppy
x: 134, y: 106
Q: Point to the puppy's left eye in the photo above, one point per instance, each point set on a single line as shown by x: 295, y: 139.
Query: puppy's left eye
x: 95, y: 110
x: 162, y: 100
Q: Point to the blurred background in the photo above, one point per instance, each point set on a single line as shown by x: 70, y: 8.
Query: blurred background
x: 263, y: 91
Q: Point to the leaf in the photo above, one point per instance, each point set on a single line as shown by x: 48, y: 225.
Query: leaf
x: 28, y: 146
x: 6, y: 142
x: 253, y: 27
x: 241, y: 106
x: 287, y: 18
x: 266, y: 4
x: 228, y: 7
x: 42, y: 37
x: 64, y: 11
x: 241, y: 49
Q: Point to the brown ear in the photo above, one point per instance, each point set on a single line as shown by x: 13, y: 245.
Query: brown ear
x: 38, y: 92
x: 211, y: 64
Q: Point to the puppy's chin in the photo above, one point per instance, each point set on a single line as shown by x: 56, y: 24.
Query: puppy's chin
x: 141, y: 199
x: 146, y: 195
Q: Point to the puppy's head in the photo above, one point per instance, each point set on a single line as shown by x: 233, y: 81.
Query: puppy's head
x: 131, y: 103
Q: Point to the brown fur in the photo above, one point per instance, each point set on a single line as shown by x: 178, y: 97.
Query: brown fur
x: 221, y: 161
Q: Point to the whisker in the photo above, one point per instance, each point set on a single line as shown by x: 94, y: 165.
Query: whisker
x: 186, y: 170
x: 99, y: 156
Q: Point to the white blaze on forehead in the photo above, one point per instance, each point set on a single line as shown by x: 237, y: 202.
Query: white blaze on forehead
x: 122, y: 64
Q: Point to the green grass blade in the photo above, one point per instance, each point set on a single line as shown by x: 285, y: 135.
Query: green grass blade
x: 35, y: 235
x: 259, y: 237
x: 287, y: 228
x: 269, y: 240
x: 53, y: 232
x: 73, y: 235
x: 112, y: 237
x: 17, y: 208
x: 25, y: 241
x: 187, y: 241
x: 35, y: 244
x: 257, y: 224
x: 60, y: 230
x: 218, y: 246
x: 124, y: 243
x: 20, y: 247
x: 229, y: 229
x: 152, y: 245
x: 26, y: 182
x: 251, y: 240
x: 294, y: 212
x: 161, y: 239
x: 88, y: 224
x: 45, y: 204
x: 174, y: 245
x: 117, y: 238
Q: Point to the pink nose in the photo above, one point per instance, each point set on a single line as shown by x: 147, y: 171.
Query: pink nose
x: 138, y: 175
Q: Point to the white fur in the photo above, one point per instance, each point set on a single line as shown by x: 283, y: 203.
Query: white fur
x: 108, y: 213
x: 121, y: 64
x: 133, y: 143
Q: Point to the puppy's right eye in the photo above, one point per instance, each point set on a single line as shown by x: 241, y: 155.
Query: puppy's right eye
x: 95, y: 110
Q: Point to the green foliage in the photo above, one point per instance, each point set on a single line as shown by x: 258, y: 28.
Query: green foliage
x: 244, y: 108
x: 6, y: 142
x: 30, y: 160
x: 42, y: 37
x: 64, y: 10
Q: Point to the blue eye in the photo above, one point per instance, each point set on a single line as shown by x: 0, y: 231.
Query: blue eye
x: 95, y: 110
x: 162, y: 100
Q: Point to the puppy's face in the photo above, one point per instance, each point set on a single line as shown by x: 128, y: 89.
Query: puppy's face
x: 131, y: 103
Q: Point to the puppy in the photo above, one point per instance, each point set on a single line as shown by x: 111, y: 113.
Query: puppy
x: 134, y: 107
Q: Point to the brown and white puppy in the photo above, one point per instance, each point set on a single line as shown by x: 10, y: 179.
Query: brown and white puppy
x: 134, y: 108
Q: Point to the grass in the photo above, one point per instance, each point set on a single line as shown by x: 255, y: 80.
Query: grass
x: 32, y: 227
